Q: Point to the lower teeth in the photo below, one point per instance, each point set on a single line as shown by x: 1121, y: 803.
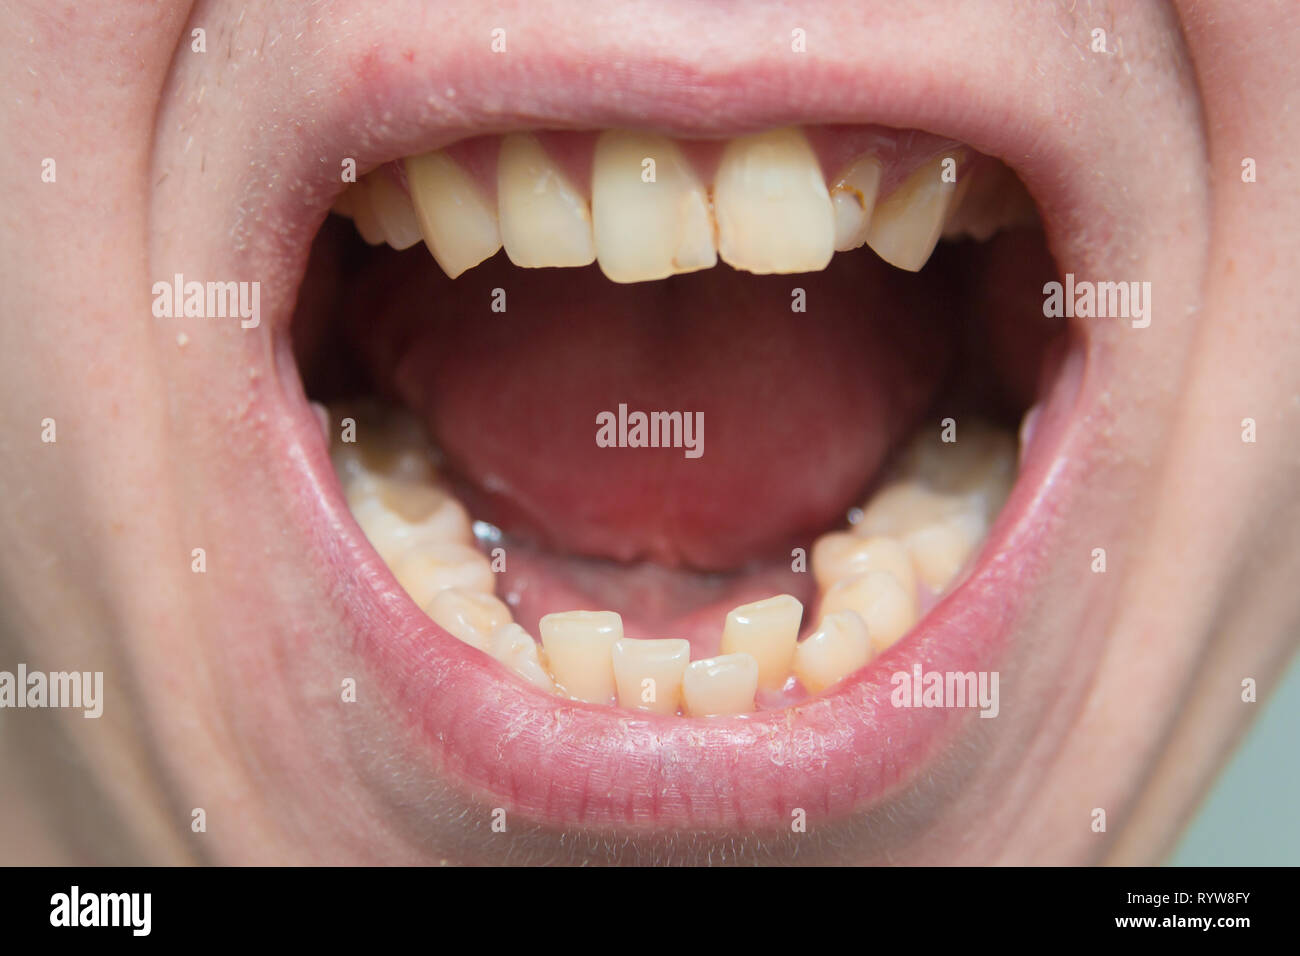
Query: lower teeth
x: 907, y: 547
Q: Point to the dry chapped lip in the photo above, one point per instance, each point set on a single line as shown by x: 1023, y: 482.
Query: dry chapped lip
x: 784, y: 691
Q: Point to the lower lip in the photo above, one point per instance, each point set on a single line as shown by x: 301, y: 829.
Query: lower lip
x: 575, y: 765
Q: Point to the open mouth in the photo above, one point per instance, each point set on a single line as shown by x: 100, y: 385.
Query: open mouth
x: 671, y: 465
x: 680, y: 436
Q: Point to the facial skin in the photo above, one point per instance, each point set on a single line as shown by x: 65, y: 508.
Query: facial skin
x: 221, y: 688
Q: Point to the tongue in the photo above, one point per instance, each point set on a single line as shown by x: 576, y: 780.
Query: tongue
x: 789, y: 412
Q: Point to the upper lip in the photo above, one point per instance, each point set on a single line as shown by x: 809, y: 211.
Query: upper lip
x: 572, y: 764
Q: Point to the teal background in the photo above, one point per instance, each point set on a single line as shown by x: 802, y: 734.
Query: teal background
x: 1251, y: 817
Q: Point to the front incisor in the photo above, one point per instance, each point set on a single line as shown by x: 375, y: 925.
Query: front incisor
x: 648, y: 229
x: 774, y: 212
x: 649, y: 673
x: 579, y: 648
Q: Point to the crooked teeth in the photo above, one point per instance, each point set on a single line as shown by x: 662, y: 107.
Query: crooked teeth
x: 394, y: 210
x: 920, y: 529
x: 458, y: 223
x: 469, y: 616
x: 649, y: 673
x: 854, y: 198
x: 515, y: 647
x: 579, y: 647
x: 906, y: 225
x: 767, y: 631
x: 544, y: 218
x: 774, y: 213
x: 648, y: 230
x: 838, y: 647
x: 885, y: 607
x: 718, y: 686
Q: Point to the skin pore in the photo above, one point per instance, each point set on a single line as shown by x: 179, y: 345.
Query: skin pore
x: 220, y: 688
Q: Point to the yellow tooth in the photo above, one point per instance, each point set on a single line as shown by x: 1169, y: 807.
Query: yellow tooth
x: 905, y: 227
x: 840, y: 555
x: 544, y: 219
x: 386, y: 442
x: 579, y: 648
x: 515, y: 647
x: 401, y: 516
x: 458, y: 223
x: 394, y: 210
x: 766, y: 630
x: 364, y: 216
x: 648, y: 230
x: 722, y: 685
x: 649, y: 673
x: 980, y: 465
x: 838, y: 647
x: 424, y: 572
x: 940, y: 549
x: 884, y: 606
x: 469, y: 616
x: 905, y: 505
x: 774, y: 213
x: 853, y: 198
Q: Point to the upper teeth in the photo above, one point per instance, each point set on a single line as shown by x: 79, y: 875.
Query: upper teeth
x: 646, y: 213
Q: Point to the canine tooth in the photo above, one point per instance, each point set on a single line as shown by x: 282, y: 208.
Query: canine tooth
x: 579, y: 647
x: 880, y: 600
x: 853, y: 198
x: 661, y: 661
x: 398, y: 516
x: 364, y: 216
x: 515, y: 647
x: 469, y: 616
x: 939, y: 550
x: 459, y: 225
x: 647, y: 230
x: 395, y: 212
x: 721, y: 685
x: 425, y: 571
x: 840, y: 555
x: 766, y: 630
x: 774, y: 213
x: 838, y: 647
x: 905, y: 226
x: 544, y: 219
